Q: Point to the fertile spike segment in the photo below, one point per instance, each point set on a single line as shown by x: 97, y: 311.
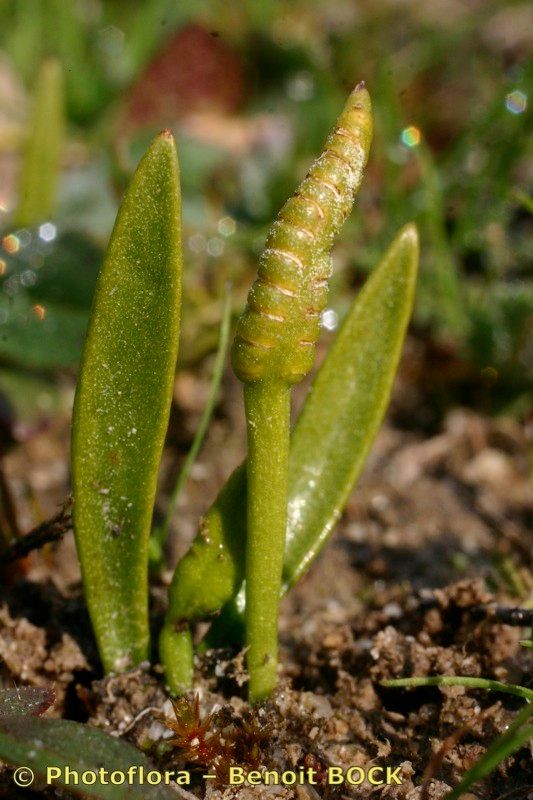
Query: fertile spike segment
x: 277, y: 333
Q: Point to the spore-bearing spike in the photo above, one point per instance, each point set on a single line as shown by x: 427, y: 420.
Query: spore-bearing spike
x: 277, y: 332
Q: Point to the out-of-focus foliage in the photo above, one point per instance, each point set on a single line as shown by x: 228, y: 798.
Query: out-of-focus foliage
x: 40, y: 167
x: 40, y: 744
x: 46, y: 293
x: 249, y: 89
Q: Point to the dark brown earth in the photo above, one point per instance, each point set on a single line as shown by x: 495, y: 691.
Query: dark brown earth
x: 433, y: 544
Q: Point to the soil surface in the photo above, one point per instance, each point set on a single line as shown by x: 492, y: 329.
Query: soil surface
x: 432, y: 552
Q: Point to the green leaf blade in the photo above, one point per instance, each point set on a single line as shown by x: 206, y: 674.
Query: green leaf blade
x: 347, y: 403
x: 123, y: 402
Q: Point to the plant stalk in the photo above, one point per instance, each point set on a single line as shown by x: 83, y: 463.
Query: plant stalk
x: 176, y: 653
x: 267, y: 404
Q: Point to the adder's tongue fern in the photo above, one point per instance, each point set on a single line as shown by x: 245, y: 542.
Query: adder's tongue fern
x: 274, y: 349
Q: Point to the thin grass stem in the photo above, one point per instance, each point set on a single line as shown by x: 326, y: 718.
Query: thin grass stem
x: 161, y: 534
x: 467, y: 682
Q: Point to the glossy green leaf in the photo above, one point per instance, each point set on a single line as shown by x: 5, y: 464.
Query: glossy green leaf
x: 123, y: 402
x: 347, y: 403
x: 41, y: 163
x: 329, y: 445
x: 41, y: 744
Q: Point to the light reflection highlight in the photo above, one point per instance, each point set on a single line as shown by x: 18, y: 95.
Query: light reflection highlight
x: 516, y: 102
x: 39, y: 311
x: 330, y: 319
x: 11, y: 243
x: 411, y: 136
x: 227, y: 226
x: 47, y: 232
x: 197, y: 242
x: 215, y: 246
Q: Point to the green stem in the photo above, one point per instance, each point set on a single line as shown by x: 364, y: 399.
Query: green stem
x: 467, y: 682
x: 176, y: 654
x: 267, y: 404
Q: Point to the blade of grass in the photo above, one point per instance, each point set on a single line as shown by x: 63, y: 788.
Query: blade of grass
x: 22, y: 34
x: 516, y: 736
x: 449, y: 301
x: 41, y: 161
x: 160, y: 535
x: 467, y: 682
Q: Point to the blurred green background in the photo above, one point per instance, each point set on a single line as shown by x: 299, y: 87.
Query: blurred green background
x: 250, y: 90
